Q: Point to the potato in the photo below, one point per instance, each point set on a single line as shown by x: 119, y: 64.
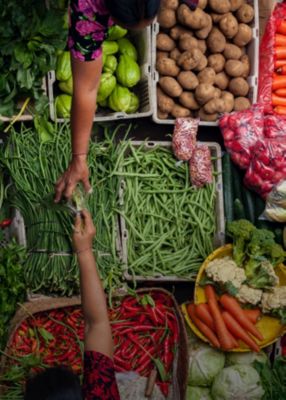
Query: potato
x: 235, y: 4
x: 202, y: 45
x: 204, y: 92
x: 188, y: 100
x: 202, y: 64
x: 192, y: 19
x: 161, y: 54
x: 221, y: 80
x: 166, y: 18
x: 238, y: 87
x: 187, y: 42
x: 241, y: 103
x: 188, y: 80
x: 217, y: 17
x: 178, y: 30
x: 217, y: 62
x: 170, y: 86
x: 243, y: 36
x: 207, y: 117
x: 190, y: 59
x: 161, y: 114
x: 220, y: 6
x: 164, y: 42
x: 204, y: 32
x: 167, y: 66
x: 214, y: 106
x: 228, y: 101
x: 172, y: 4
x: 217, y: 93
x: 229, y: 26
x: 208, y: 75
x: 202, y: 4
x: 164, y: 102
x: 245, y: 13
x: 234, y: 68
x: 246, y: 63
x: 180, y: 112
x: 216, y: 41
x: 175, y: 54
x: 232, y: 52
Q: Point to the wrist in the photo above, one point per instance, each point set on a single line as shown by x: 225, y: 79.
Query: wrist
x: 79, y: 156
x: 86, y: 250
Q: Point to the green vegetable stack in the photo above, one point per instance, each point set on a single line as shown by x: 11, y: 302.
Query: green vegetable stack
x: 120, y: 74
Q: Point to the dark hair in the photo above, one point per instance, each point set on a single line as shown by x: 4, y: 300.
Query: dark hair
x: 131, y: 12
x: 57, y: 383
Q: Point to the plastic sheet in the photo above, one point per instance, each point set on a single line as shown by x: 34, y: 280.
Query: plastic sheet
x: 185, y: 137
x: 201, y: 166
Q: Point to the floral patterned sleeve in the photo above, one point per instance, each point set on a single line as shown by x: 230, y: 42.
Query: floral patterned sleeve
x: 99, y: 377
x: 88, y: 24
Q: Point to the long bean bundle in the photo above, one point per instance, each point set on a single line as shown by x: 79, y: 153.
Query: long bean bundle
x: 170, y: 224
x: 34, y: 163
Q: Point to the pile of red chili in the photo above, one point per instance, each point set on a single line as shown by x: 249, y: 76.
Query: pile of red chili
x: 145, y: 331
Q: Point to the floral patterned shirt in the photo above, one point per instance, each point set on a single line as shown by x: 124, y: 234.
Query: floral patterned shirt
x: 99, y: 381
x: 89, y: 21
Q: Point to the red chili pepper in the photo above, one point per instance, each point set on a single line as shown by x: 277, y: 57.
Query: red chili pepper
x: 5, y: 223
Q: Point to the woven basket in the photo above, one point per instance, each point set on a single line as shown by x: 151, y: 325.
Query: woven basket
x: 179, y: 381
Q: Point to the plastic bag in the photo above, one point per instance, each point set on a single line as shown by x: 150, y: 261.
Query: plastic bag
x: 132, y: 386
x: 201, y: 166
x: 275, y: 209
x: 240, y: 131
x: 274, y: 126
x: 268, y: 166
x: 185, y: 137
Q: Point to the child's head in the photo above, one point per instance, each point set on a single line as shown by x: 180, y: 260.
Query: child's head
x: 133, y: 14
x: 57, y: 383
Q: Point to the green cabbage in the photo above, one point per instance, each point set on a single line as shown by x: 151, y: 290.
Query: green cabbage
x: 134, y: 104
x: 120, y: 99
x: 110, y: 64
x: 126, y: 47
x: 106, y: 86
x: 63, y: 104
x: 63, y: 66
x: 247, y: 358
x: 116, y: 32
x: 204, y: 364
x: 128, y: 71
x: 66, y: 86
x: 238, y: 382
x: 198, y: 393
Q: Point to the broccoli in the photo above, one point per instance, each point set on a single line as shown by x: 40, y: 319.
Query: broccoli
x: 263, y: 276
x: 276, y: 254
x: 240, y: 231
x: 260, y: 242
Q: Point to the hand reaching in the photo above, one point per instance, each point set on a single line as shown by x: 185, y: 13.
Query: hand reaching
x: 84, y: 232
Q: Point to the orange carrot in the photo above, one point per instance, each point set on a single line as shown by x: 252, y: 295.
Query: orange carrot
x: 204, y: 329
x: 278, y: 101
x: 279, y: 63
x: 281, y: 92
x: 280, y: 40
x: 203, y: 313
x: 238, y: 331
x: 280, y: 52
x: 253, y: 314
x: 222, y: 332
x: 280, y: 110
x: 281, y: 70
x: 279, y: 82
x: 233, y: 307
x: 281, y: 28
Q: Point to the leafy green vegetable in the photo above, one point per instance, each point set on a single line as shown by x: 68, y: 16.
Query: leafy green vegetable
x: 273, y: 379
x: 198, y: 393
x: 12, y: 284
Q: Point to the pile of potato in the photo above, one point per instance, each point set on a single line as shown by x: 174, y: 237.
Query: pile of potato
x: 201, y: 58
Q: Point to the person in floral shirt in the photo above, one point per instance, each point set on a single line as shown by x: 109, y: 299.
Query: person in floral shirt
x: 89, y: 23
x: 60, y: 383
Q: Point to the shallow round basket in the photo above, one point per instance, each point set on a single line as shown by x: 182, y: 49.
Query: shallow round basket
x: 270, y: 327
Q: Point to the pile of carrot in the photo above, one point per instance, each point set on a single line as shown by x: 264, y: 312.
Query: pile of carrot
x: 279, y: 77
x: 223, y: 321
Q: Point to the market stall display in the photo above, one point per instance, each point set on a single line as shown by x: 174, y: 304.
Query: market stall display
x: 204, y: 61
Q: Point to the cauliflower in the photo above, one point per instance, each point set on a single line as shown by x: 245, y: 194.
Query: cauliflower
x: 274, y: 303
x: 248, y: 295
x: 226, y: 272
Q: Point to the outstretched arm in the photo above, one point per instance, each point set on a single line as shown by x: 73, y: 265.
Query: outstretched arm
x: 86, y: 78
x: 98, y: 336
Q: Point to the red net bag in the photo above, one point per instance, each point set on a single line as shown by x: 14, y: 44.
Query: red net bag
x: 185, y: 137
x: 201, y: 166
x: 274, y: 127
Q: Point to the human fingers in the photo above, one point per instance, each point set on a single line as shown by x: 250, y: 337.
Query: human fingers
x: 77, y: 223
x: 88, y: 223
x: 70, y: 186
x: 59, y: 188
x: 86, y: 185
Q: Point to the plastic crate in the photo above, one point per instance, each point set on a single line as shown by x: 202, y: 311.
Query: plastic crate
x: 142, y: 42
x: 252, y: 52
x: 219, y: 238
